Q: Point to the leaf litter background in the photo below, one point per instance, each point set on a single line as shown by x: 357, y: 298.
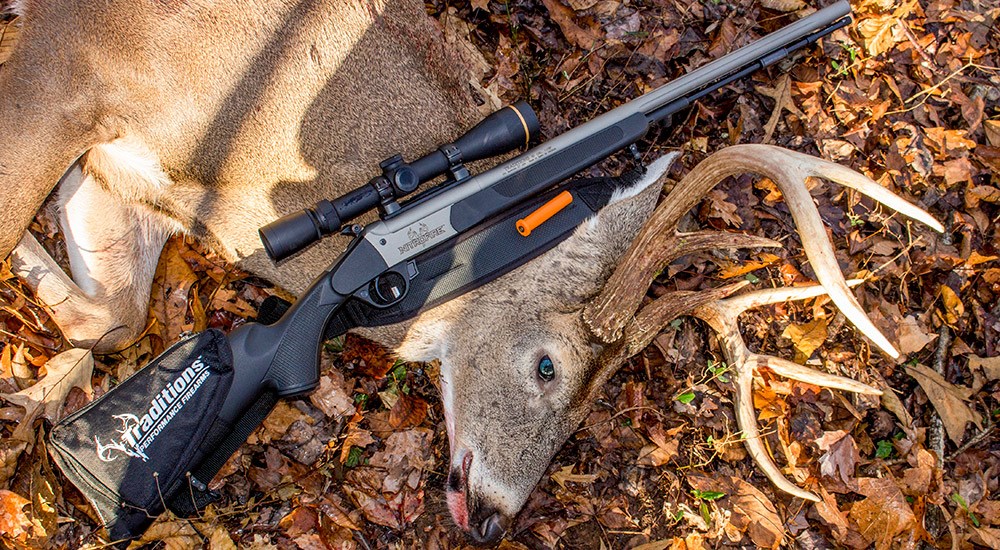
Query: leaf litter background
x: 908, y: 94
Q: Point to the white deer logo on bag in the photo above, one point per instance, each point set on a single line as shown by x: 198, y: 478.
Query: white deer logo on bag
x: 138, y: 433
x: 106, y: 452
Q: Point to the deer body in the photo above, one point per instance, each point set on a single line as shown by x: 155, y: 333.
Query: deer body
x: 208, y: 118
x: 214, y: 119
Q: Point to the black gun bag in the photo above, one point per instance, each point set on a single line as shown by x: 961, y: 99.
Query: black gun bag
x: 130, y: 451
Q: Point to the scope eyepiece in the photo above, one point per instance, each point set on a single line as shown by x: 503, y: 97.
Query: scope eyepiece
x: 500, y: 132
x: 289, y: 234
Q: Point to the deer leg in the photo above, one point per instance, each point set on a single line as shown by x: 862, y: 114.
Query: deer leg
x: 113, y: 249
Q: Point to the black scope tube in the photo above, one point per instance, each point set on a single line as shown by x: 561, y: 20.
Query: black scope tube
x: 500, y: 132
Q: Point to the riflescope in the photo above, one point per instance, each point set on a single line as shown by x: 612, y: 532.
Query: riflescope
x: 499, y: 133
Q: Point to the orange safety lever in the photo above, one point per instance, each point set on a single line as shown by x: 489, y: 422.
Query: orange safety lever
x: 527, y: 224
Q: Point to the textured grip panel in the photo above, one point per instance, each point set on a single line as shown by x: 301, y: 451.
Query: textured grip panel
x: 534, y: 174
x: 562, y: 165
x: 295, y: 368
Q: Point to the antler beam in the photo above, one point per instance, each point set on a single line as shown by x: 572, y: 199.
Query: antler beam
x: 615, y: 316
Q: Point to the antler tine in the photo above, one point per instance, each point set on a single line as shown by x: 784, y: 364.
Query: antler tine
x: 722, y: 316
x: 866, y: 186
x: 722, y: 319
x: 613, y: 316
x: 619, y: 300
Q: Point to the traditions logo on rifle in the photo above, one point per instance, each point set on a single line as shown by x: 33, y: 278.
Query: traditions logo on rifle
x: 137, y: 434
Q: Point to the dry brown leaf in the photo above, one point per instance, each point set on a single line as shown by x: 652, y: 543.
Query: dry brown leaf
x: 911, y: 335
x: 751, y: 511
x: 806, y: 337
x: 301, y: 519
x: 331, y: 397
x: 989, y: 365
x: 356, y: 437
x: 730, y: 270
x: 408, y: 411
x: 839, y: 459
x: 916, y: 481
x: 565, y: 474
x: 755, y: 513
x: 781, y: 93
x: 987, y: 536
x: 948, y: 399
x: 568, y: 21
x: 892, y: 403
x: 992, y: 128
x: 219, y: 539
x: 975, y: 258
x: 277, y: 422
x: 10, y: 452
x: 881, y: 33
x: 665, y: 446
x: 170, y: 532
x: 884, y: 514
x: 953, y: 309
x: 835, y: 519
x: 70, y: 369
x: 783, y: 5
x: 8, y: 37
x: 16, y: 525
x: 171, y: 288
x: 720, y: 207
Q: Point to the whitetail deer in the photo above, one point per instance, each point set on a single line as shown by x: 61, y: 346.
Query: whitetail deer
x: 209, y: 119
x: 176, y: 119
x: 576, y: 310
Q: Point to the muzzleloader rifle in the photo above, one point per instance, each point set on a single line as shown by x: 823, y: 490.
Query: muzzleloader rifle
x: 159, y: 437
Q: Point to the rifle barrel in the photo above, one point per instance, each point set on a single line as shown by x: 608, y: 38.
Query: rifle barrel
x: 504, y: 186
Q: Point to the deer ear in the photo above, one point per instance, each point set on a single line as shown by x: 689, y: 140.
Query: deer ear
x: 588, y: 257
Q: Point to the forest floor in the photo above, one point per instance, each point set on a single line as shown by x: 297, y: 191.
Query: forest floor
x: 909, y: 94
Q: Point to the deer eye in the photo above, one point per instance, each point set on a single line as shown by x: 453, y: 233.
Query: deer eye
x: 546, y: 369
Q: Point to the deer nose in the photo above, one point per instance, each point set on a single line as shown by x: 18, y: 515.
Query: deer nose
x: 489, y: 530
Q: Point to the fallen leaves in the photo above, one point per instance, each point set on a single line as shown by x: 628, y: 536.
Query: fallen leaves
x: 806, y: 337
x: 665, y: 446
x: 9, y: 32
x: 949, y: 400
x: 565, y: 475
x: 912, y: 336
x: 16, y: 527
x: 884, y: 515
x: 388, y: 490
x: 839, y: 459
x: 582, y: 36
x: 750, y: 510
x: 781, y: 93
x: 70, y: 369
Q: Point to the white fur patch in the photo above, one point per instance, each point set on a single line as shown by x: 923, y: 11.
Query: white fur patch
x: 15, y: 7
x: 508, y: 500
x: 654, y: 171
x: 129, y: 170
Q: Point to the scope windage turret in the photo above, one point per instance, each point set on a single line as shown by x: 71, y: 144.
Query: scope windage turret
x: 499, y: 133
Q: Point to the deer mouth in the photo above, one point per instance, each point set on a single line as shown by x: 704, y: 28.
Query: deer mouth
x: 458, y: 490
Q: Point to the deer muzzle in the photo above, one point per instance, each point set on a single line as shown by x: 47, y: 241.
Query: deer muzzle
x: 483, y: 523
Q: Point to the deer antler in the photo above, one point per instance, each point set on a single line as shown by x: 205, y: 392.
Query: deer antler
x: 615, y: 318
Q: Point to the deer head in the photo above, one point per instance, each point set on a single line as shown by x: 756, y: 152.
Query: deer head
x: 522, y: 358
